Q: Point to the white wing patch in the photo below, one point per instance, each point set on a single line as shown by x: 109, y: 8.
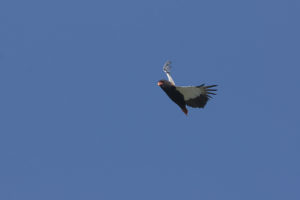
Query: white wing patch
x: 167, y: 69
x: 170, y: 78
x: 190, y: 92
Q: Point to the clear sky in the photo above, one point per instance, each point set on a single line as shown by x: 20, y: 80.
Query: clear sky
x: 81, y: 116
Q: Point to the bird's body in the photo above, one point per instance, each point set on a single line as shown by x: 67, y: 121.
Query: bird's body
x: 173, y: 94
x: 193, y: 96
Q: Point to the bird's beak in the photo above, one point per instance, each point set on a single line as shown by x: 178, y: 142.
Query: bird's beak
x: 159, y: 83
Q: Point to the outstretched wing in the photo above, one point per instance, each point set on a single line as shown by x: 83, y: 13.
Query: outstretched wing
x: 197, y: 96
x: 167, y: 70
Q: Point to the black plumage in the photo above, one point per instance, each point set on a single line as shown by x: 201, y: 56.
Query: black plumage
x: 173, y: 94
x: 193, y: 96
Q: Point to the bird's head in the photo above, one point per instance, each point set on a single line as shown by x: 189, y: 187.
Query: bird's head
x: 164, y: 83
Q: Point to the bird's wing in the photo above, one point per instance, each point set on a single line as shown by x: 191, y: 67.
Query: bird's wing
x: 167, y: 70
x: 196, y: 96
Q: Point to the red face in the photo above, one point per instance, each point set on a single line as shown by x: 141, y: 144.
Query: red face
x: 159, y: 83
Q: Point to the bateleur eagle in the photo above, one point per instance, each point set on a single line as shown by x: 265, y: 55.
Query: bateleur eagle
x: 193, y: 96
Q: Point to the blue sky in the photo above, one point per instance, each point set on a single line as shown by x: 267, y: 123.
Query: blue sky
x: 82, y: 117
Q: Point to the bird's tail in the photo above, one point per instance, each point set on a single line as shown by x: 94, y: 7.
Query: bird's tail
x: 185, y: 110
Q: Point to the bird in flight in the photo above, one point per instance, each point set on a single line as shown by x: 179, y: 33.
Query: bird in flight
x: 193, y: 96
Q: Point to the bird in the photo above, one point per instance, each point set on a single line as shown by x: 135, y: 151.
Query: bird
x: 193, y: 96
